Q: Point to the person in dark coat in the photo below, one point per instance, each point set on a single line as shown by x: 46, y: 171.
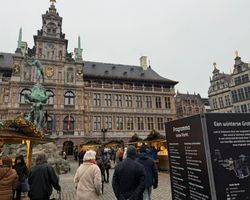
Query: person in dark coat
x: 100, y: 164
x: 80, y: 156
x: 107, y: 164
x: 42, y: 178
x: 22, y: 172
x: 151, y: 178
x: 129, y: 177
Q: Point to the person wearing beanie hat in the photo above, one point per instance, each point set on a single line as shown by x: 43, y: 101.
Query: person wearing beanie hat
x: 129, y: 177
x: 151, y: 178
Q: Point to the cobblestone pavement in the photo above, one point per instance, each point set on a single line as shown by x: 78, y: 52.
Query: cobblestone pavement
x: 69, y: 192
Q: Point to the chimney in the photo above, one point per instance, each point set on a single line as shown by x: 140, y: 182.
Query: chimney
x: 143, y: 62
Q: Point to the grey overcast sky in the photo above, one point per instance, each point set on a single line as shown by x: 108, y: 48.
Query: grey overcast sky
x: 182, y: 38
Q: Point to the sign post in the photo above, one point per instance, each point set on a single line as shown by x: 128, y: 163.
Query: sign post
x: 209, y: 156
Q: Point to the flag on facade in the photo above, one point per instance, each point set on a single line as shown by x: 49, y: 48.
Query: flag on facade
x: 53, y: 122
x: 68, y: 126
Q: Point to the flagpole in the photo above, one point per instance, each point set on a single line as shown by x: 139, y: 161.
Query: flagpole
x: 68, y: 126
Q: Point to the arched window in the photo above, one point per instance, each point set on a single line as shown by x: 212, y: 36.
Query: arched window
x: 49, y: 124
x: 68, y: 125
x: 69, y: 98
x: 24, y: 91
x: 50, y: 95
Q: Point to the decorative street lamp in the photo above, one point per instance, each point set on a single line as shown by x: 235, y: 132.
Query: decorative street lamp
x: 104, y: 130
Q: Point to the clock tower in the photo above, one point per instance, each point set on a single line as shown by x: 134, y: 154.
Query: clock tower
x: 50, y: 42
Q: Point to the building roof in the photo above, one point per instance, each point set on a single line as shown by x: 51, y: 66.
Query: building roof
x: 125, y: 72
x: 6, y: 60
x: 104, y: 70
x: 188, y: 96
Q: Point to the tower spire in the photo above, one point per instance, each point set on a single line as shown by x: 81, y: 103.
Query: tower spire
x: 19, y: 39
x: 78, y: 50
x: 79, y: 45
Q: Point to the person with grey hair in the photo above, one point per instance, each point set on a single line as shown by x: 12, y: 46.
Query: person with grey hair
x: 129, y: 177
x: 42, y: 179
x: 88, y: 178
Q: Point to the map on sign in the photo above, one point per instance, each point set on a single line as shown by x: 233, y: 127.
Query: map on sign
x: 240, y: 166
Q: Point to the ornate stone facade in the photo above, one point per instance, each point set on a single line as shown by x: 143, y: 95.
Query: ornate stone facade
x: 84, y: 97
x: 189, y: 104
x: 230, y: 92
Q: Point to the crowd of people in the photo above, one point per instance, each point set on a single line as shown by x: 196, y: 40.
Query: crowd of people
x: 135, y: 175
x: 37, y: 182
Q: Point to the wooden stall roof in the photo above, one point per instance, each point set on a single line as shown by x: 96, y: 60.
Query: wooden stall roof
x: 14, y: 131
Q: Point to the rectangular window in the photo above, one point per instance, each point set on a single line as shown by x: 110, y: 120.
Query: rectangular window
x: 118, y: 100
x: 227, y: 100
x: 97, y: 100
x: 234, y: 96
x: 248, y: 107
x: 107, y: 100
x: 129, y: 123
x: 108, y: 122
x: 107, y: 85
x: 241, y: 94
x: 237, y: 109
x: 139, y: 101
x: 169, y: 119
x: 158, y: 102
x: 243, y: 108
x: 160, y: 123
x: 128, y: 99
x: 140, y: 123
x: 221, y: 103
x: 97, y: 123
x: 245, y: 78
x: 215, y: 105
x: 167, y: 103
x: 247, y: 92
x: 119, y: 123
x: 237, y: 80
x: 150, y: 122
x: 148, y: 101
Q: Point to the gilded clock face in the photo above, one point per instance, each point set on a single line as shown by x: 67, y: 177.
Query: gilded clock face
x: 49, y: 71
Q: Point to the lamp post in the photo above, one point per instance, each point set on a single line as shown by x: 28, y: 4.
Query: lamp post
x: 104, y: 130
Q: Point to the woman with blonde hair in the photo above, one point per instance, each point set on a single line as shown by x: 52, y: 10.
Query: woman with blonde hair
x: 88, y: 178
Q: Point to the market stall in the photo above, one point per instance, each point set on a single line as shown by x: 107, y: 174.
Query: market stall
x: 21, y: 131
x: 90, y: 145
x: 136, y: 141
x: 158, y: 148
x: 113, y: 144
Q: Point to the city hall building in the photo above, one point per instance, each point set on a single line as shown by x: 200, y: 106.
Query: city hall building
x: 87, y: 100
